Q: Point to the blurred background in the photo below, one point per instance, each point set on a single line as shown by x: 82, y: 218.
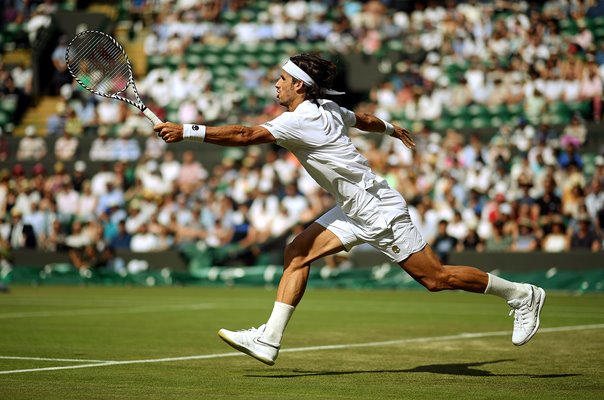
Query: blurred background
x: 504, y: 99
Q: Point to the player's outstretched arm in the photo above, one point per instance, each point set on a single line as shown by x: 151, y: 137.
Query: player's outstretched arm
x: 370, y: 123
x: 229, y: 135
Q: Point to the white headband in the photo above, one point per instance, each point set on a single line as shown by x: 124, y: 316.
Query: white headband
x: 299, y: 74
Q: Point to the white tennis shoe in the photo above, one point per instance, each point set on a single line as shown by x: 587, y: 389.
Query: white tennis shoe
x: 250, y: 341
x: 526, y: 315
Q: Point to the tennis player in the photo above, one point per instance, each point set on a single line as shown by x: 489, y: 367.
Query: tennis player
x: 315, y: 130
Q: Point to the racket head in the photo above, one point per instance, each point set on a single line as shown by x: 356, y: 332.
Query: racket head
x: 99, y: 63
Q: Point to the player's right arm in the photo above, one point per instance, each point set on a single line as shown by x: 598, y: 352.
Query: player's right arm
x: 228, y: 135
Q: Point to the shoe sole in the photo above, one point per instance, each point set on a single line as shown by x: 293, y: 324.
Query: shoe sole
x: 536, y: 328
x: 238, y: 347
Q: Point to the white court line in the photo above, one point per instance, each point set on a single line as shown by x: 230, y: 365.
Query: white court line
x: 313, y: 348
x: 106, y: 311
x: 53, y: 359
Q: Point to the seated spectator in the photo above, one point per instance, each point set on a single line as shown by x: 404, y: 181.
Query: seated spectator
x: 584, y: 236
x: 31, y: 147
x: 555, y: 241
x: 102, y: 146
x: 525, y: 239
x: 121, y: 241
x: 499, y: 240
x: 169, y: 167
x: 144, y: 241
x: 191, y: 174
x: 472, y: 242
x: 574, y: 133
x: 66, y: 147
x: 21, y: 234
x: 126, y: 147
x: 443, y: 242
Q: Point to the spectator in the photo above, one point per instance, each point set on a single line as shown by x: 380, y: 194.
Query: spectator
x: 102, y: 146
x: 584, y: 236
x: 60, y: 74
x: 192, y: 173
x: 21, y: 235
x: 500, y: 240
x: 66, y: 147
x: 525, y: 239
x: 443, y: 242
x: 144, y: 241
x: 121, y: 241
x: 31, y: 147
x: 555, y: 241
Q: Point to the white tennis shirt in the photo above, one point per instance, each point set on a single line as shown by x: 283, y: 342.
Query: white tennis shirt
x: 317, y: 136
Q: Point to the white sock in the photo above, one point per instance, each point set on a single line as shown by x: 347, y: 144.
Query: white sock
x: 278, y: 322
x: 505, y: 289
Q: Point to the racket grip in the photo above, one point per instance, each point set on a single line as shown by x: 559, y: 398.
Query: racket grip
x: 152, y: 117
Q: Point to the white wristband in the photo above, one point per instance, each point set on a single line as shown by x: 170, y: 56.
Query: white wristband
x: 389, y: 127
x: 194, y: 132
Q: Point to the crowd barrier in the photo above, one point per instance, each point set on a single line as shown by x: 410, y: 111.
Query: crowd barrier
x: 573, y: 271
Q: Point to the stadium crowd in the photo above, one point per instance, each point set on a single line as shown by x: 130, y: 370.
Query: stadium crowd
x: 529, y: 187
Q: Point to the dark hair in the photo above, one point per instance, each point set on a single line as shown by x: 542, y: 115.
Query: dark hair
x: 320, y: 70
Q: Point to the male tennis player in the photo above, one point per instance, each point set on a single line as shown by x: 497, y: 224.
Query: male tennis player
x: 368, y: 210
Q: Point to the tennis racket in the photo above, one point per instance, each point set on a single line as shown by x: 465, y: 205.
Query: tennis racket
x: 100, y: 65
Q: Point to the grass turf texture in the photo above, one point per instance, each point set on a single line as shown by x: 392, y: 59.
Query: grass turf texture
x: 133, y: 324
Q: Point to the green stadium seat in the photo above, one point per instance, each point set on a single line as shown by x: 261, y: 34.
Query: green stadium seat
x: 8, y: 105
x: 441, y: 124
x: 196, y: 48
x: 499, y: 111
x: 478, y: 111
x: 497, y: 122
x: 582, y: 107
x: 516, y: 110
x: 193, y: 60
x: 174, y: 61
x: 457, y: 113
x: 459, y: 123
x: 4, y: 119
x: 480, y: 122
x: 155, y: 62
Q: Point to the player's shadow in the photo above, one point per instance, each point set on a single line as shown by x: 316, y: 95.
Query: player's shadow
x: 463, y: 369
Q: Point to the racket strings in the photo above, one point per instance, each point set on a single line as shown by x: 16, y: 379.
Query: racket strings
x: 99, y: 63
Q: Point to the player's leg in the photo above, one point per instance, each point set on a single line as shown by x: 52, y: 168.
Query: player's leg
x: 312, y: 244
x: 264, y: 343
x: 526, y: 300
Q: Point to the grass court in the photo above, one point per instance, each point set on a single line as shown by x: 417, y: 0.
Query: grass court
x: 161, y: 343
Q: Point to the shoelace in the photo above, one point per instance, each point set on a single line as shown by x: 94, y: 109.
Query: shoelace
x: 518, y: 315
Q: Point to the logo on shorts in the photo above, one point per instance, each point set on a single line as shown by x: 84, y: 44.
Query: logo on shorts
x: 396, y: 249
x: 195, y: 127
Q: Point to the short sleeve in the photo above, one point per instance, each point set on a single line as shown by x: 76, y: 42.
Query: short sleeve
x: 284, y: 128
x: 348, y: 117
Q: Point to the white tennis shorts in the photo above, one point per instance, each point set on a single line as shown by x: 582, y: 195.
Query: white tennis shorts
x: 391, y: 232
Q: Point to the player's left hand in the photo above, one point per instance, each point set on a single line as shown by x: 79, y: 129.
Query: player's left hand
x: 169, y: 131
x: 403, y: 135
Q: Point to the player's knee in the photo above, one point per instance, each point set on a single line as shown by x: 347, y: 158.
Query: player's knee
x: 293, y: 257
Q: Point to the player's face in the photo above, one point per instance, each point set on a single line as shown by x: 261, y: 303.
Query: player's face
x: 286, y: 91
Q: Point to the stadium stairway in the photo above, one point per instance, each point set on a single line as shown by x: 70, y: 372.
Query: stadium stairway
x: 38, y: 115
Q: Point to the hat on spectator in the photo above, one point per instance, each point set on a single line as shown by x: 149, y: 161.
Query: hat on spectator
x: 15, y: 212
x: 30, y: 130
x: 599, y: 160
x: 59, y: 167
x: 38, y: 169
x: 18, y: 170
x: 80, y: 166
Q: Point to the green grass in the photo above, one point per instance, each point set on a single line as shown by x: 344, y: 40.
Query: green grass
x: 130, y: 324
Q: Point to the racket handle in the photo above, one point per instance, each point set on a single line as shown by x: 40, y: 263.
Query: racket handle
x: 152, y: 117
